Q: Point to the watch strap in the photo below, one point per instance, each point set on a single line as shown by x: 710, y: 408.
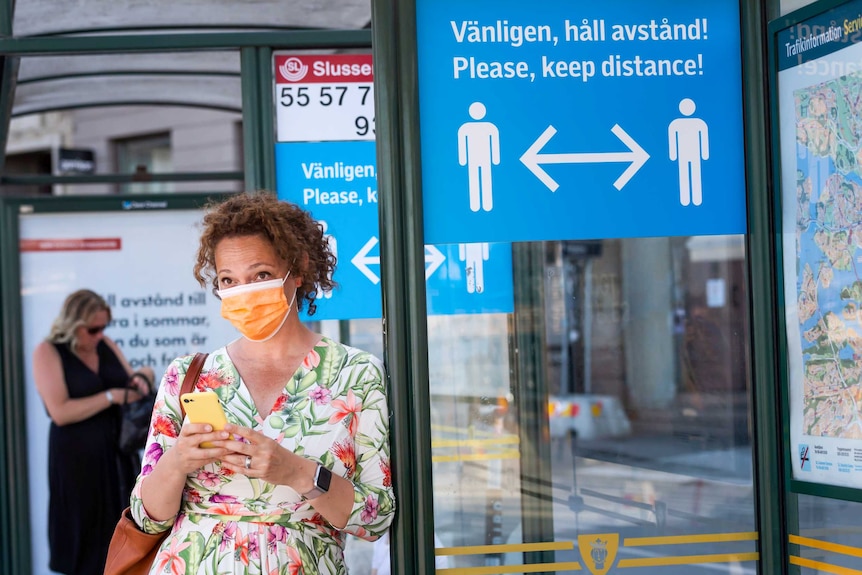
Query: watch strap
x: 322, y: 479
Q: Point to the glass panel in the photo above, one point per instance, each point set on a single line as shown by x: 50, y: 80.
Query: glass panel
x: 606, y: 420
x: 830, y: 530
x: 148, y: 155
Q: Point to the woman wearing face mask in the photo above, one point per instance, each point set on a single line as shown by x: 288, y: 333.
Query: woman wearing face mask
x: 81, y: 376
x: 305, y: 458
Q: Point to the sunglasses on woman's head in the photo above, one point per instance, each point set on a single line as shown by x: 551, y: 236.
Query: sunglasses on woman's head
x: 96, y: 329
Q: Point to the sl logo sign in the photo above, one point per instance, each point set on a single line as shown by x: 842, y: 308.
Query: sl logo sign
x: 599, y: 551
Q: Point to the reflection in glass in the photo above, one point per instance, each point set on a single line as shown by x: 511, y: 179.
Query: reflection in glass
x: 643, y: 438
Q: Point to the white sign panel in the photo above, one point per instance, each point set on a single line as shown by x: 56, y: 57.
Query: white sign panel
x: 324, y: 98
x: 141, y: 263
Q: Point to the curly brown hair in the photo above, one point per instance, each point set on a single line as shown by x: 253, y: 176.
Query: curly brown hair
x: 292, y: 232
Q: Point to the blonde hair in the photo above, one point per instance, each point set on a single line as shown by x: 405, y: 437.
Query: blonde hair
x: 77, y: 309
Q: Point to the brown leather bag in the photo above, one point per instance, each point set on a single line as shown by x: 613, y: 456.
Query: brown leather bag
x: 133, y: 552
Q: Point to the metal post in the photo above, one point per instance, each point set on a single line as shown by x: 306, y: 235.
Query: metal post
x: 768, y: 467
x: 251, y: 113
x: 14, y: 493
x: 266, y: 115
x: 402, y: 254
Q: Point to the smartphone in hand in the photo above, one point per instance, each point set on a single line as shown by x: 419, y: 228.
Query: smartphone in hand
x: 204, y: 407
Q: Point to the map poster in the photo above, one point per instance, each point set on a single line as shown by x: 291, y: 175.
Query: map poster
x: 819, y: 64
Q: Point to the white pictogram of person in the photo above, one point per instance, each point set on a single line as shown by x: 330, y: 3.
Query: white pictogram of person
x: 689, y: 144
x: 478, y: 149
x: 474, y: 255
x: 333, y: 247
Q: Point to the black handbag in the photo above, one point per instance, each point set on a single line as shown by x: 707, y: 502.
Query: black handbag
x: 136, y: 423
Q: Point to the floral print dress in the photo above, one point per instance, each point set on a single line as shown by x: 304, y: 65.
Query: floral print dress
x: 333, y: 411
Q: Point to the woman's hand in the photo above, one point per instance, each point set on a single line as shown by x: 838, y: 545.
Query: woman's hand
x: 261, y: 457
x: 142, y: 380
x: 187, y: 455
x: 123, y: 395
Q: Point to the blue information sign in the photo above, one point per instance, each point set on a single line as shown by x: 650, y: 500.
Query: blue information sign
x: 554, y: 120
x: 473, y: 278
x: 337, y: 183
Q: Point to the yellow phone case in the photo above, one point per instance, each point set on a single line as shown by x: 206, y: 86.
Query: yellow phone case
x: 204, y: 407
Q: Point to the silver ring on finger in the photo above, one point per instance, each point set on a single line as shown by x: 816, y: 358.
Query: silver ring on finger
x: 248, y: 461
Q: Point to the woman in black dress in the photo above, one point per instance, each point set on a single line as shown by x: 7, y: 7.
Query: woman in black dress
x: 82, y: 377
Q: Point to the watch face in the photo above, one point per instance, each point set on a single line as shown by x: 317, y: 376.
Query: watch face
x: 323, y: 479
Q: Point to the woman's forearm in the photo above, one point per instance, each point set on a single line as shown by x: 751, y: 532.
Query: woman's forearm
x: 79, y: 409
x: 162, y: 490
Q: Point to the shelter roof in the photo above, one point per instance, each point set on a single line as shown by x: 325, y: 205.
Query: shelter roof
x: 209, y: 79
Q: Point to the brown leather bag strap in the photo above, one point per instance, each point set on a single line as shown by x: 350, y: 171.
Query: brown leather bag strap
x: 191, y: 377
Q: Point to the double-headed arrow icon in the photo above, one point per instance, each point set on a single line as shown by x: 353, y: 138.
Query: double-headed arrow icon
x: 533, y: 159
x: 434, y: 258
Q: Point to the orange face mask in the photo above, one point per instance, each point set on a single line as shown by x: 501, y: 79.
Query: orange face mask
x: 258, y: 310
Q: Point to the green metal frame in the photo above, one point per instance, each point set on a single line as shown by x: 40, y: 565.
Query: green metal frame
x: 531, y: 397
x: 402, y: 258
x: 395, y: 52
x: 14, y: 502
x: 180, y: 73
x: 294, y: 40
x: 795, y: 486
x: 761, y: 277
x: 401, y: 217
x: 42, y: 180
x: 8, y: 79
x: 14, y: 476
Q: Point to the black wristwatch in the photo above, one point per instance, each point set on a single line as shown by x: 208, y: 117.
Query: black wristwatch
x: 322, y: 479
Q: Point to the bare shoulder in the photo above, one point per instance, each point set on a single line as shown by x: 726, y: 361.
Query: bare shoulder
x: 45, y: 350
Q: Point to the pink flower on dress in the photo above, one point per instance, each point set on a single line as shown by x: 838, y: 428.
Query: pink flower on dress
x: 311, y: 360
x: 347, y: 411
x: 294, y: 565
x: 208, y: 478
x: 170, y: 561
x: 193, y: 495
x: 276, y: 534
x: 253, y: 549
x: 171, y: 380
x: 153, y: 454
x: 320, y: 395
x: 228, y: 533
x: 369, y: 513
